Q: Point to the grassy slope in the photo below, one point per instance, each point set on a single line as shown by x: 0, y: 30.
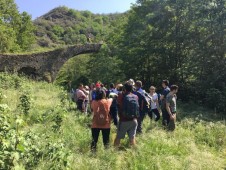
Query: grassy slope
x: 199, y: 141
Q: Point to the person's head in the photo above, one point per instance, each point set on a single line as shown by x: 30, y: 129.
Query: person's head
x: 119, y: 87
x: 87, y: 87
x: 152, y: 89
x: 128, y: 87
x: 138, y: 84
x: 100, y: 94
x: 131, y: 81
x: 112, y: 85
x: 92, y: 86
x: 174, y: 89
x: 165, y: 83
x: 80, y: 86
x: 98, y: 86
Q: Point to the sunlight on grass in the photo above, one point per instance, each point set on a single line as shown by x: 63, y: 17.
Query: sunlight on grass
x: 56, y: 136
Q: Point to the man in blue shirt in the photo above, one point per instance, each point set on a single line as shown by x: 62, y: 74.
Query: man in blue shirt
x: 165, y: 115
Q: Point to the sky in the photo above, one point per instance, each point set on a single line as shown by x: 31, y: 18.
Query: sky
x: 37, y: 8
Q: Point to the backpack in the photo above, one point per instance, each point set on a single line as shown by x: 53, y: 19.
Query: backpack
x: 146, y: 101
x: 102, y: 115
x: 130, y: 106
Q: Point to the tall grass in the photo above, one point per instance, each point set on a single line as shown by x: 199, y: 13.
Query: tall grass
x: 56, y: 136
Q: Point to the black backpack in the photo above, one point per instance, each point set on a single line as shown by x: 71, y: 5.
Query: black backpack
x: 130, y: 106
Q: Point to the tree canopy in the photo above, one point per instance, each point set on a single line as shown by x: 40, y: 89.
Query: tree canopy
x: 16, y: 30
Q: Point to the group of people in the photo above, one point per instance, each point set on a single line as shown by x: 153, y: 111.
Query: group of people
x: 126, y: 105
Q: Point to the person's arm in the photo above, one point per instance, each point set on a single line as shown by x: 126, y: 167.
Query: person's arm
x: 157, y: 103
x: 161, y: 97
x: 85, y: 92
x: 109, y: 102
x: 83, y: 96
x: 169, y: 111
x: 119, y: 102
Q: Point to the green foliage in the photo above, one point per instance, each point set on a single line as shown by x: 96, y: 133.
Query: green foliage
x: 25, y: 103
x: 68, y: 26
x: 180, y: 41
x: 75, y: 71
x: 52, y: 137
x: 105, y: 66
x: 16, y: 30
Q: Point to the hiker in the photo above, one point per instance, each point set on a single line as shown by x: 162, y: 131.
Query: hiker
x: 128, y: 110
x: 80, y: 97
x: 154, y: 104
x: 101, y: 118
x: 171, y: 107
x: 166, y: 90
x: 142, y: 103
x: 113, y: 93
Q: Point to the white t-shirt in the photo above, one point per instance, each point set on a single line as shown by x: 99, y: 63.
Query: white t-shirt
x: 154, y: 98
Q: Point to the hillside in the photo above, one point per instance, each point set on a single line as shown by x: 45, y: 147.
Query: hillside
x: 68, y: 26
x: 40, y: 129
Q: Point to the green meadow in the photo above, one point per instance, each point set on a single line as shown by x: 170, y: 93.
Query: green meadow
x: 41, y: 129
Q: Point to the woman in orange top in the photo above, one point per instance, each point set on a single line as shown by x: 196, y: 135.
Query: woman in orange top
x: 101, y: 118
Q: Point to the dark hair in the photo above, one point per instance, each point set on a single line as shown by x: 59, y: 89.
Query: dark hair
x: 92, y: 85
x: 100, y: 94
x: 112, y: 85
x: 80, y: 85
x: 138, y: 83
x: 166, y: 82
x: 173, y: 87
x: 128, y: 87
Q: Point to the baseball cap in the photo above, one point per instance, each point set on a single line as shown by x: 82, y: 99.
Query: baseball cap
x: 97, y: 85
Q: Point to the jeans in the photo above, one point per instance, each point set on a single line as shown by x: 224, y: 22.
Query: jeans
x: 156, y: 112
x: 80, y: 105
x: 95, y: 136
x: 86, y: 105
x: 165, y: 117
x: 140, y: 121
x: 113, y: 113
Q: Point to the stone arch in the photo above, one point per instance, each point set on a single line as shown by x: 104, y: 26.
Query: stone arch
x: 38, y: 64
x: 28, y: 71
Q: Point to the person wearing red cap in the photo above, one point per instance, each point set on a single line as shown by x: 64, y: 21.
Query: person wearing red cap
x: 98, y: 85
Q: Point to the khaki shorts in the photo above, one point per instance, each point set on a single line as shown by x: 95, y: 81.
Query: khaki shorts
x: 128, y: 127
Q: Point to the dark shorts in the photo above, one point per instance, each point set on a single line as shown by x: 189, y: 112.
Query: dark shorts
x: 128, y: 127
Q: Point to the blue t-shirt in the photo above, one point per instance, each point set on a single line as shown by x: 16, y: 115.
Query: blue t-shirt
x: 164, y: 93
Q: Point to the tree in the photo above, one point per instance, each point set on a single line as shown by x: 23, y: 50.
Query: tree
x: 17, y: 30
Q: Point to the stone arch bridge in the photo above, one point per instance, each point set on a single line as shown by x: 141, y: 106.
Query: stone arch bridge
x: 44, y: 65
